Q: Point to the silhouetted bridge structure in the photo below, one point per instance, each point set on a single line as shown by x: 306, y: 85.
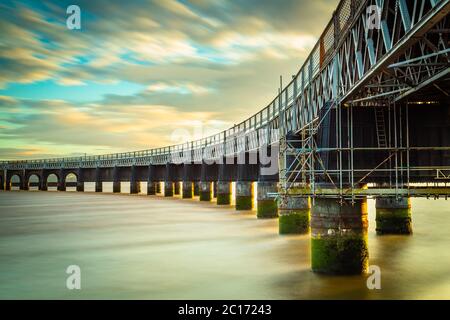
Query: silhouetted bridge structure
x: 366, y: 116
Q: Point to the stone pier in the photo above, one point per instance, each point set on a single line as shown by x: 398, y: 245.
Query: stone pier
x: 223, y: 193
x: 205, y: 191
x: 196, y: 188
x: 80, y: 180
x: 176, y: 188
x: 339, y: 236
x: 188, y: 189
x: 393, y: 216
x: 135, y: 185
x: 116, y: 180
x: 244, y: 195
x: 168, y: 189
x: 294, y: 215
x: 98, y: 180
x: 266, y: 205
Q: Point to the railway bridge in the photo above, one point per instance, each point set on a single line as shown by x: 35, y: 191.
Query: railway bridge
x: 367, y: 116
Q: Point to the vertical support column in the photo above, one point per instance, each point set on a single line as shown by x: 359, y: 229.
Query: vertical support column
x: 43, y: 181
x: 223, y: 193
x: 268, y: 178
x: 188, y: 188
x: 244, y: 195
x: 61, y: 180
x: 135, y: 185
x: 339, y: 236
x: 266, y: 205
x: 168, y: 183
x: 197, y: 188
x: 176, y: 189
x: 7, y: 181
x: 205, y: 191
x: 80, y: 180
x: 214, y: 189
x: 98, y: 180
x: 393, y: 216
x: 158, y: 187
x: 24, y: 181
x: 168, y: 189
x: 151, y: 184
x: 116, y: 180
x: 294, y: 215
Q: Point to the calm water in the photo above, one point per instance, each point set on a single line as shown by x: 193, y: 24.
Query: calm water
x: 137, y: 247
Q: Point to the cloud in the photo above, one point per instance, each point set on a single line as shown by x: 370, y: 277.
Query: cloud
x: 208, y: 62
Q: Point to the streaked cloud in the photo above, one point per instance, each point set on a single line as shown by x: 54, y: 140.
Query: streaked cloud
x: 138, y: 71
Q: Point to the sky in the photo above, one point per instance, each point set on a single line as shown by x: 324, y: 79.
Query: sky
x: 141, y: 74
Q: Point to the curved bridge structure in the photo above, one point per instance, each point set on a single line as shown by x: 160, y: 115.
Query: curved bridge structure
x: 367, y: 115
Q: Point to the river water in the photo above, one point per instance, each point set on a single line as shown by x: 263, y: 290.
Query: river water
x: 139, y: 247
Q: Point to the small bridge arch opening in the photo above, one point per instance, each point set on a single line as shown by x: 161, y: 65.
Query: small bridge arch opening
x: 33, y: 182
x: 52, y: 182
x: 15, y: 182
x: 71, y: 181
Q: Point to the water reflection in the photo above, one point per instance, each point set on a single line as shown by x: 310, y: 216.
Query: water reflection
x: 135, y: 247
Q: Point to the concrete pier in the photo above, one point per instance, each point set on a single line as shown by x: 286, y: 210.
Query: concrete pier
x: 266, y: 206
x: 168, y: 189
x: 135, y: 185
x: 205, y: 191
x: 98, y: 181
x: 61, y: 181
x: 158, y: 187
x: 223, y: 193
x: 43, y: 181
x: 294, y: 215
x: 214, y: 188
x: 244, y: 195
x: 339, y: 236
x: 196, y: 188
x: 116, y: 180
x: 393, y: 216
x: 151, y: 188
x: 188, y: 190
x: 80, y: 180
x: 176, y: 189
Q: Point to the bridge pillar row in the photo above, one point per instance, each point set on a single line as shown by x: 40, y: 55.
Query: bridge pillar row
x: 339, y: 242
x: 393, y: 216
x: 205, y: 191
x: 98, y: 180
x: 188, y: 190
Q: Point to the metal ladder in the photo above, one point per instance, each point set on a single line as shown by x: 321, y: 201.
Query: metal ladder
x: 381, y: 128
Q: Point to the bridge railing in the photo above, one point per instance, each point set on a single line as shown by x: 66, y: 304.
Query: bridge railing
x: 225, y: 141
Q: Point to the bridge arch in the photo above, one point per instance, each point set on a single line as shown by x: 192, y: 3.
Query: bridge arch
x: 15, y: 182
x: 52, y: 181
x: 33, y: 181
x: 70, y: 181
